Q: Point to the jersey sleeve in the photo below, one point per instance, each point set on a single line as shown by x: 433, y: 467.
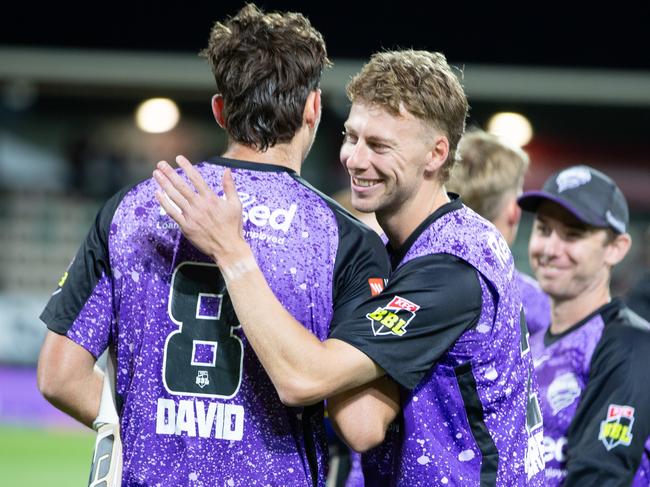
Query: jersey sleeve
x: 361, y: 268
x: 428, y: 303
x: 612, y: 423
x: 81, y: 307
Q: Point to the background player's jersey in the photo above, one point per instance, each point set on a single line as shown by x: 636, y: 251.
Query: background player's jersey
x: 595, y: 399
x: 196, y: 406
x: 537, y: 305
x: 447, y: 328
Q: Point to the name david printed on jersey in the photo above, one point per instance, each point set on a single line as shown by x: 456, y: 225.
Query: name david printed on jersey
x: 205, y: 419
x: 616, y: 429
x: 259, y: 215
x: 394, y: 317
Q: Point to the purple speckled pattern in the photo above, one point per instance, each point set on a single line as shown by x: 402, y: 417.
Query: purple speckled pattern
x: 437, y: 444
x: 563, y: 372
x: 537, y: 305
x: 92, y: 327
x: 246, y: 436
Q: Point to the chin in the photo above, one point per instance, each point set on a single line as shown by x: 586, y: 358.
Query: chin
x: 363, y: 206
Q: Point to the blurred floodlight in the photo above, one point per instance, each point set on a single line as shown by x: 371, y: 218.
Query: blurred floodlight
x: 513, y: 127
x: 157, y: 115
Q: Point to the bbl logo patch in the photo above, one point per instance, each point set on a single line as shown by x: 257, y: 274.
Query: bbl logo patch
x: 376, y: 285
x: 617, y: 428
x: 393, y: 318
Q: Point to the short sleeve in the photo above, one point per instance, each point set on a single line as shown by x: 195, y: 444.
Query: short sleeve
x: 428, y: 303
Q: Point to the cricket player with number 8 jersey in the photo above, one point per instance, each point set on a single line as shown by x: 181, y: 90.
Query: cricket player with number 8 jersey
x: 196, y: 407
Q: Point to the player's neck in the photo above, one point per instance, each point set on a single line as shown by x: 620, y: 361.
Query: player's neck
x: 399, y: 223
x: 286, y: 155
x: 565, y: 314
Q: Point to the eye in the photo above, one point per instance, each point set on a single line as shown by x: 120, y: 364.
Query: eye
x: 348, y: 137
x: 574, y: 234
x: 379, y: 148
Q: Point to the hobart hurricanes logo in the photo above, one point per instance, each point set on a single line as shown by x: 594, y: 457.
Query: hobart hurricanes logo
x: 617, y: 427
x: 572, y: 178
x: 393, y: 318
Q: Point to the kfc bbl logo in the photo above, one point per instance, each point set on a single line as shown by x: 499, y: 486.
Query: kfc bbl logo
x: 393, y: 318
x: 617, y: 428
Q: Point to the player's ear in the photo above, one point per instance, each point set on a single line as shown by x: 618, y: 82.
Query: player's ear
x: 217, y: 110
x: 438, y: 153
x: 311, y: 113
x: 617, y: 249
x: 513, y: 213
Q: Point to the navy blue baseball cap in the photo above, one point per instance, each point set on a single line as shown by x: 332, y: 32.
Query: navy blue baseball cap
x: 591, y: 196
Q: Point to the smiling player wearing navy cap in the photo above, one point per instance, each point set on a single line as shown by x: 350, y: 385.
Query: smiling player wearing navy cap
x: 591, y: 361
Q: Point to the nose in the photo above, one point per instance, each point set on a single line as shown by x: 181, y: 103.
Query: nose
x: 549, y: 246
x: 354, y: 156
x: 552, y: 244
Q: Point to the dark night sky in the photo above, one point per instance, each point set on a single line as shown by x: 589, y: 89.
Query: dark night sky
x: 540, y: 34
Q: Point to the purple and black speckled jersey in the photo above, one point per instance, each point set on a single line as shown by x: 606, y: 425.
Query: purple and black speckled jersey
x: 537, y: 306
x: 196, y: 407
x: 448, y: 329
x: 595, y: 400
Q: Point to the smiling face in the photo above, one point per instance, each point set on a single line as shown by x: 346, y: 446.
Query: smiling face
x: 387, y: 157
x: 570, y: 258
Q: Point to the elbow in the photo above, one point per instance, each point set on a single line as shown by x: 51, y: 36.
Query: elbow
x: 300, y: 393
x: 366, y: 440
x: 49, y: 383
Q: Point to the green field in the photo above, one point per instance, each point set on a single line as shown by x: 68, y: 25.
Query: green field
x: 34, y: 457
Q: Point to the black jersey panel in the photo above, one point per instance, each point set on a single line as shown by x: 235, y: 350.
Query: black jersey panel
x: 476, y: 417
x: 417, y: 318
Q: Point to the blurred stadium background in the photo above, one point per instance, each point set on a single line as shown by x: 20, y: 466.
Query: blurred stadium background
x: 70, y: 86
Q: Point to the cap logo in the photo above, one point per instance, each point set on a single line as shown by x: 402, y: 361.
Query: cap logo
x: 572, y: 178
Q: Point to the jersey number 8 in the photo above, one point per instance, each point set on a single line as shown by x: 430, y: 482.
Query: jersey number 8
x: 203, y: 357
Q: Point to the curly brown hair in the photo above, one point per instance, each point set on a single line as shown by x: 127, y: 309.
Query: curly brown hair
x: 265, y: 65
x: 424, y: 84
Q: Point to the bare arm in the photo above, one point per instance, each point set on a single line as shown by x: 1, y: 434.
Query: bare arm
x: 362, y: 415
x: 68, y: 378
x: 303, y: 369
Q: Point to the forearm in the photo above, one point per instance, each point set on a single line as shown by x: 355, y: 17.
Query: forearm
x: 68, y: 379
x: 303, y: 369
x: 80, y: 398
x: 361, y: 416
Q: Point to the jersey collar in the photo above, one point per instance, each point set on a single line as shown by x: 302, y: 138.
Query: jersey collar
x: 253, y: 166
x: 396, y: 255
x: 608, y: 311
